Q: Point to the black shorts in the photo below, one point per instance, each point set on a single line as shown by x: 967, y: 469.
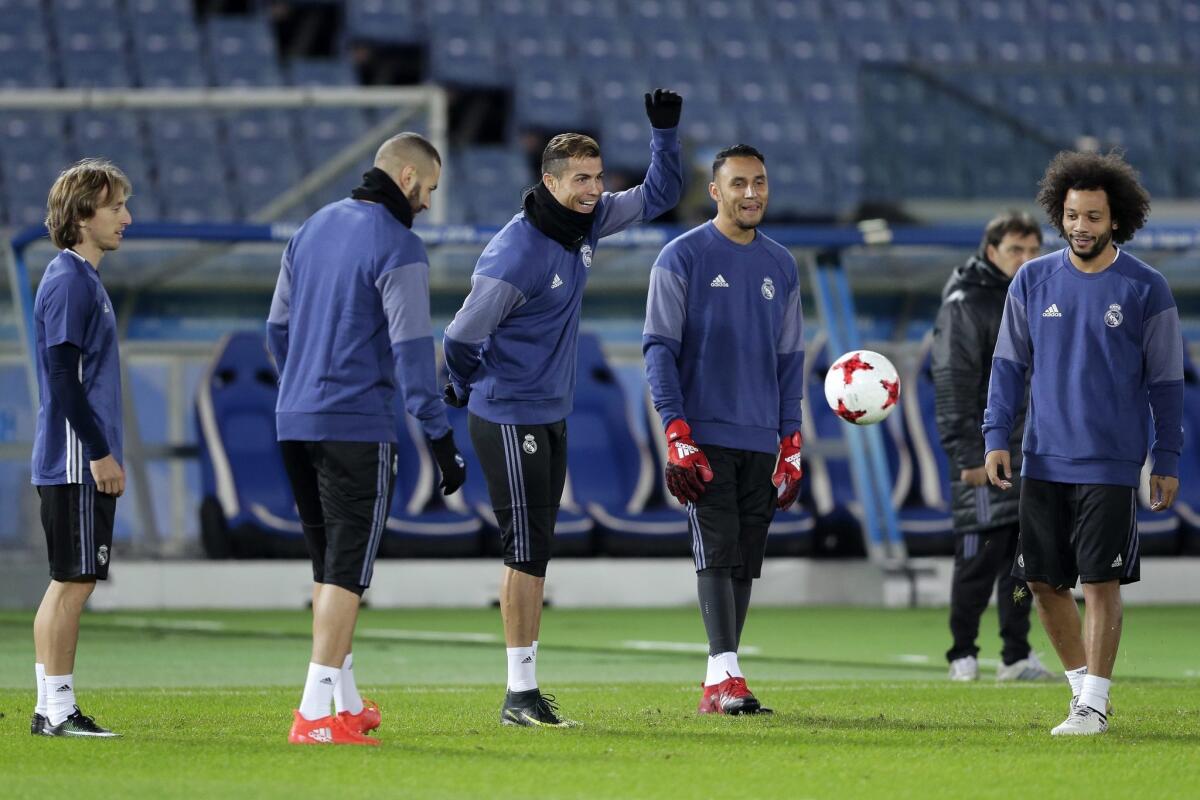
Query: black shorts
x: 78, y: 521
x: 526, y: 468
x: 343, y: 492
x: 730, y: 520
x: 1077, y: 531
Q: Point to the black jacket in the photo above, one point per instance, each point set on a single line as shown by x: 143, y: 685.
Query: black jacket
x: 964, y: 337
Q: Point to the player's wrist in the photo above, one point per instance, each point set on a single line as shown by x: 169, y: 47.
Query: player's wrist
x: 678, y: 429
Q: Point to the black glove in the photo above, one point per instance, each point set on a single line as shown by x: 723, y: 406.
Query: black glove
x: 450, y: 462
x: 663, y: 108
x: 451, y: 397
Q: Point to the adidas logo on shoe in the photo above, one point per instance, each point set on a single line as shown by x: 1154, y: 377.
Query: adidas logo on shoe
x: 323, y: 735
x: 1052, y: 311
x: 719, y: 282
x: 557, y: 282
x: 1117, y: 561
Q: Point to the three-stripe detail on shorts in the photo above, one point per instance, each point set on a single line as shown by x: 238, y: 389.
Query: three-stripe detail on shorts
x: 697, y: 539
x: 516, y: 492
x: 379, y: 515
x: 1132, y: 544
x: 86, y: 508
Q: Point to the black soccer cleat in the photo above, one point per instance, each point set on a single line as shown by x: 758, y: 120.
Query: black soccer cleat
x: 78, y: 725
x: 37, y: 725
x: 532, y: 709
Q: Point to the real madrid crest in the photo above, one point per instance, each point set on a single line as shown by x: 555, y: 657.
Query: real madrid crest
x: 1113, y: 317
x: 586, y: 252
x: 530, y: 444
x: 102, y: 555
x: 768, y: 289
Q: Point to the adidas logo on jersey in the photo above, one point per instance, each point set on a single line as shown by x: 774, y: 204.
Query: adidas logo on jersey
x: 557, y: 282
x: 1052, y: 311
x: 1117, y: 561
x: 720, y: 282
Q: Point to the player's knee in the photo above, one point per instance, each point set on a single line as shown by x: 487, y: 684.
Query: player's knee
x: 1041, y: 589
x: 535, y: 568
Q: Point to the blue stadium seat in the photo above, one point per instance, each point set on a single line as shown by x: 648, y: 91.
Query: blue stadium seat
x: 852, y: 13
x: 326, y: 131
x: 1083, y: 45
x: 793, y: 14
x: 798, y: 47
x: 264, y: 156
x: 875, y: 42
x: 548, y: 100
x: 464, y: 54
x: 602, y: 43
x: 25, y: 52
x: 1148, y: 44
x: 395, y: 21
x: 321, y: 72
x: 1019, y: 46
x: 422, y: 523
x: 935, y: 41
x: 247, y: 509
x: 242, y: 51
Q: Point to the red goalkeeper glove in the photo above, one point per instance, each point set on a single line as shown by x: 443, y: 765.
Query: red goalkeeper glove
x: 788, y: 471
x: 687, y: 468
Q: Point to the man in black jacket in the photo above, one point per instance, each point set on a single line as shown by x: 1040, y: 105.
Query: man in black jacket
x: 985, y: 519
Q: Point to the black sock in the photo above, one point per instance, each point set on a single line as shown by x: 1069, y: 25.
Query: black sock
x: 741, y: 604
x: 715, y: 589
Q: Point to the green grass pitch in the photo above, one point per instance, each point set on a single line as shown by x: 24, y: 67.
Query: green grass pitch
x: 863, y: 710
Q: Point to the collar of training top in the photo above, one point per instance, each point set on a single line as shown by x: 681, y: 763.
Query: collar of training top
x: 568, y: 228
x: 378, y: 187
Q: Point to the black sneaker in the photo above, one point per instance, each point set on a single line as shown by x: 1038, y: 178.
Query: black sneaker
x: 532, y: 709
x: 37, y: 725
x: 78, y: 725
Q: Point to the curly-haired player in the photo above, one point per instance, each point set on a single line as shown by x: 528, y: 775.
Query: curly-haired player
x: 1098, y: 332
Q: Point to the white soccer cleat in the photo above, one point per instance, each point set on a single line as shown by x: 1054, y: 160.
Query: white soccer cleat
x: 1027, y: 669
x: 1084, y: 721
x: 964, y: 669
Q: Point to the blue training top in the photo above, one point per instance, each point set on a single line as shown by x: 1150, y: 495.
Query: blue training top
x: 350, y: 319
x: 724, y: 339
x: 513, y: 342
x: 1104, y: 350
x: 72, y: 307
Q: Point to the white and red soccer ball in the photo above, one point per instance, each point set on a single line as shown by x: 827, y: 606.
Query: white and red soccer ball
x: 862, y: 387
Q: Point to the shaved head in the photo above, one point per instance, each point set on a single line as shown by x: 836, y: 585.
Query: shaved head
x: 406, y: 149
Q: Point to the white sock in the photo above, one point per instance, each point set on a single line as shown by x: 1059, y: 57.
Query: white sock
x: 1095, y: 693
x: 40, y: 671
x: 522, y: 669
x: 1075, y: 677
x: 535, y: 641
x: 60, y: 697
x: 345, y: 694
x: 721, y: 667
x: 318, y: 691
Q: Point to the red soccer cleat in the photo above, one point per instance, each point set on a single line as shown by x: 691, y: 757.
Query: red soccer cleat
x: 730, y: 696
x: 326, y: 730
x: 364, y: 721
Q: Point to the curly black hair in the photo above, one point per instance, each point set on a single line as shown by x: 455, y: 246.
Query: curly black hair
x: 1128, y: 201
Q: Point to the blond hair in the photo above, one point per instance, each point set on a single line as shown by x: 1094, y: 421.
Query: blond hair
x: 75, y: 195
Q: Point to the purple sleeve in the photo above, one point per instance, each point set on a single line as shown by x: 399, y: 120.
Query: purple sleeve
x: 490, y: 301
x: 666, y: 312
x: 790, y: 366
x: 68, y: 393
x: 405, y: 294
x: 657, y: 194
x: 1010, y: 361
x: 1162, y: 347
x: 67, y: 304
x: 280, y: 314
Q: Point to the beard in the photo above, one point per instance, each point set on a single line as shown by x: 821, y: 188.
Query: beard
x: 1102, y: 242
x: 414, y: 197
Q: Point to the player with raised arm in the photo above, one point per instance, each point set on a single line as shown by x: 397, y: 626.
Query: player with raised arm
x: 349, y: 321
x: 1097, y: 331
x: 724, y: 349
x: 511, y: 352
x: 77, y: 450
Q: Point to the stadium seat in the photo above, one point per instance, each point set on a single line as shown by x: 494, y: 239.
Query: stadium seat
x: 392, y: 21
x: 247, y: 510
x: 242, y: 51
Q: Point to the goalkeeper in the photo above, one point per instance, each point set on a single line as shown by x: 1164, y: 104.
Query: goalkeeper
x: 724, y: 349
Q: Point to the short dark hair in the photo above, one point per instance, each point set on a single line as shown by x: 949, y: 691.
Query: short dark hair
x: 1020, y: 223
x: 565, y: 146
x: 737, y: 151
x: 1127, y: 199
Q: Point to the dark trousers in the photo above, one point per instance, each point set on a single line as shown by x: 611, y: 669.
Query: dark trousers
x: 981, y: 559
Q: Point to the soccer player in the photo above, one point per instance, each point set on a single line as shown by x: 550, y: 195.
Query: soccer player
x: 350, y: 320
x: 511, y: 353
x: 1097, y: 331
x: 724, y: 349
x: 77, y: 448
x: 985, y: 519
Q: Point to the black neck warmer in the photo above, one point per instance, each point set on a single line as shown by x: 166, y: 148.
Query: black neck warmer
x: 378, y: 187
x: 568, y: 228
